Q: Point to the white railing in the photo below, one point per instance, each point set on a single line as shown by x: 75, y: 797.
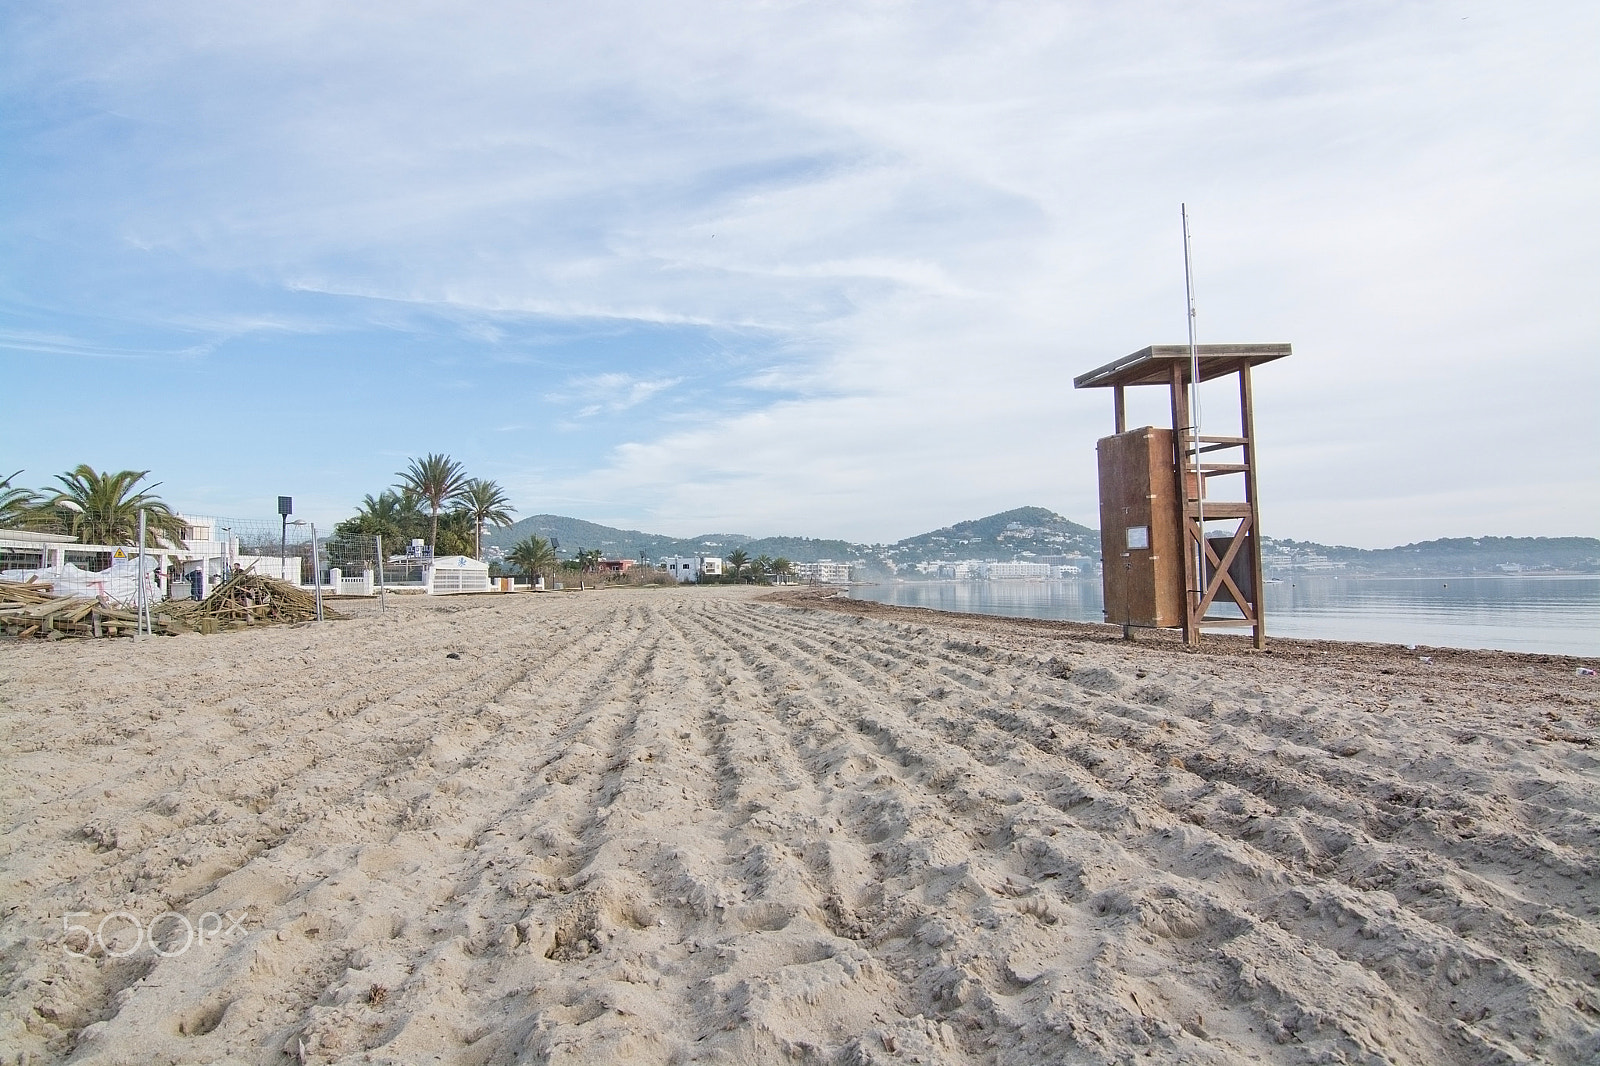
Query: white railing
x: 339, y: 585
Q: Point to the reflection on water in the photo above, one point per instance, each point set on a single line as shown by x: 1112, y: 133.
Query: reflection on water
x: 1077, y: 601
x: 1560, y: 615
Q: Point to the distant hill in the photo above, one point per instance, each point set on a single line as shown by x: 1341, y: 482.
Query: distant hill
x: 1040, y: 533
x: 1449, y: 556
x: 574, y: 533
x: 1021, y: 533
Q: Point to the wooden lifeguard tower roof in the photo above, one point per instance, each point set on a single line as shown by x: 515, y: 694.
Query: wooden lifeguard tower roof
x: 1153, y: 365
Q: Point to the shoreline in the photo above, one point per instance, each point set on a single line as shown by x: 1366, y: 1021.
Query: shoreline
x: 1171, y: 640
x: 1497, y: 635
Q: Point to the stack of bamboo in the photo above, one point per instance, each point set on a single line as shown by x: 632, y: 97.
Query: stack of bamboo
x: 29, y: 610
x: 244, y: 599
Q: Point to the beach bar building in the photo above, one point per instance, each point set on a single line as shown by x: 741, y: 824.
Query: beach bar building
x: 24, y: 549
x: 1179, y: 547
x: 62, y: 559
x: 457, y: 573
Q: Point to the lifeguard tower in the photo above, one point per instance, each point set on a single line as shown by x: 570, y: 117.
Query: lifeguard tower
x: 1173, y: 550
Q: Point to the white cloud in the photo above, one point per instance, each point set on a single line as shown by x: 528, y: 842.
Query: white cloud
x: 613, y: 393
x: 915, y: 222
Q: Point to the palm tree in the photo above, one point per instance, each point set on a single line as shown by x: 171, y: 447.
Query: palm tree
x: 103, y: 508
x: 781, y: 568
x: 455, y: 533
x: 761, y: 567
x: 533, y: 556
x: 409, y: 515
x: 395, y: 515
x: 486, y: 502
x: 16, y: 504
x: 436, y: 479
x: 738, y: 559
x: 589, y: 559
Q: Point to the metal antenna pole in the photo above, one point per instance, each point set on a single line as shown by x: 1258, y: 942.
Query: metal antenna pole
x: 1194, y: 405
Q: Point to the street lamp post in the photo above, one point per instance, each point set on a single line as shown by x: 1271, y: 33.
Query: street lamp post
x: 285, y: 509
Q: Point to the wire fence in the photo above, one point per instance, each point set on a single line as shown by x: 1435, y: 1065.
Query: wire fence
x: 328, y: 562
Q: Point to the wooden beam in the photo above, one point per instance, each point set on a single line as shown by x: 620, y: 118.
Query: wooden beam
x: 1218, y: 510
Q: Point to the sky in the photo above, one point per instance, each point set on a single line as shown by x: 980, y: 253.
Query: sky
x: 816, y: 269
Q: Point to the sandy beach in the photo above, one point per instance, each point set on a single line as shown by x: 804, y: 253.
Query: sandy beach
x: 702, y: 825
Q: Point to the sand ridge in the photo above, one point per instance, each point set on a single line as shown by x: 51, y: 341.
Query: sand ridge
x: 697, y: 825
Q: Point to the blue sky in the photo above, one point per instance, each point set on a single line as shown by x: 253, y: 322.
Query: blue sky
x: 818, y: 269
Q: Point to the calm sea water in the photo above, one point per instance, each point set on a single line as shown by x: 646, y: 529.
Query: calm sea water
x: 1559, y: 615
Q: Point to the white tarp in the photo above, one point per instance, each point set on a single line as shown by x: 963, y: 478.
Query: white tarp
x: 120, y: 584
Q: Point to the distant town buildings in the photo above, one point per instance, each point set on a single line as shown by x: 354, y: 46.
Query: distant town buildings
x: 823, y: 572
x: 1038, y: 568
x: 1018, y: 571
x: 1283, y: 557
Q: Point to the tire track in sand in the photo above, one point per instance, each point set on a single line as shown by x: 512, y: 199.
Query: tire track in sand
x: 1425, y: 965
x: 676, y: 826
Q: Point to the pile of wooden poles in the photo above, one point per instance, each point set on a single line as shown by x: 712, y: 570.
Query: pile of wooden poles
x: 29, y: 610
x: 242, y: 600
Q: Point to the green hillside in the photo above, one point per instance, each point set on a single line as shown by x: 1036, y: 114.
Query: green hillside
x: 575, y: 533
x: 1040, y: 533
x: 1453, y: 555
x: 1018, y: 533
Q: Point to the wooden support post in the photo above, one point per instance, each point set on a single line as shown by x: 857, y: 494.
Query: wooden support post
x: 1120, y: 401
x: 1247, y: 429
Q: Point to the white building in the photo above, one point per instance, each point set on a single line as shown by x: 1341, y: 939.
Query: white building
x: 457, y: 573
x: 23, y: 551
x: 692, y: 568
x: 823, y: 572
x: 1018, y: 571
x: 214, y: 551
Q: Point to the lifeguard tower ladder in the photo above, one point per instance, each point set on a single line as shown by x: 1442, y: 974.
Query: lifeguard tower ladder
x: 1170, y: 552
